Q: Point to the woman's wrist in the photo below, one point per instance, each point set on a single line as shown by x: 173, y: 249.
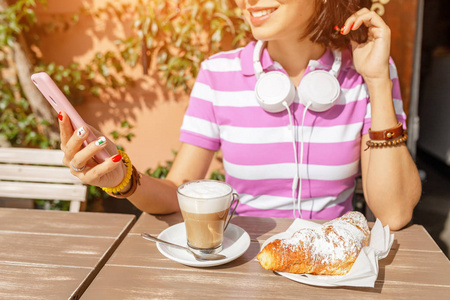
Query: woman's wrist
x: 382, y: 105
x: 379, y: 83
x: 127, y: 187
x: 378, y: 78
x: 129, y: 183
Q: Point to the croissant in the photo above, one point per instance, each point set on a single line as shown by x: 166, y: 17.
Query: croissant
x: 330, y: 249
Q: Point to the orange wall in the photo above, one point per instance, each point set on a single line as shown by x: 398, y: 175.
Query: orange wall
x: 155, y: 112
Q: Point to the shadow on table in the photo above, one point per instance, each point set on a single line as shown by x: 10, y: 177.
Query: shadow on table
x: 170, y: 219
x: 258, y: 228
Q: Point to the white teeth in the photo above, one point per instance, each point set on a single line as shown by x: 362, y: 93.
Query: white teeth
x: 261, y: 13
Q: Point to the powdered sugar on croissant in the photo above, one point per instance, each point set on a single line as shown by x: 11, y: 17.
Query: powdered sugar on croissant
x: 330, y: 249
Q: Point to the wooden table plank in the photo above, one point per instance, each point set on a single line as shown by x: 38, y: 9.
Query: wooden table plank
x: 34, y: 281
x: 55, y: 255
x: 63, y: 250
x: 62, y: 222
x: 415, y: 268
x: 153, y: 282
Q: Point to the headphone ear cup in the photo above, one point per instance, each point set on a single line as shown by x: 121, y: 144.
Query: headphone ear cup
x: 319, y: 89
x: 273, y: 89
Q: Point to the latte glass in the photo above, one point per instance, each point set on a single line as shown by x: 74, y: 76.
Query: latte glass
x: 205, y: 205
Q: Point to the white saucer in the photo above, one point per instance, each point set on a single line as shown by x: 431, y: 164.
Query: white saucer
x: 235, y: 242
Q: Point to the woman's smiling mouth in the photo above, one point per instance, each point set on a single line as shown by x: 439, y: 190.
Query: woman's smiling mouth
x: 260, y: 15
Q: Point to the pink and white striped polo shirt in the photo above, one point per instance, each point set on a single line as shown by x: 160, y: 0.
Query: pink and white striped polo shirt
x: 258, y: 156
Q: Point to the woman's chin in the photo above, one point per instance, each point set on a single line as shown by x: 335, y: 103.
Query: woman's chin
x: 263, y: 34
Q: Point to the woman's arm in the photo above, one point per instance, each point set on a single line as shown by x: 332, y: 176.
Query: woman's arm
x: 391, y: 182
x: 158, y: 196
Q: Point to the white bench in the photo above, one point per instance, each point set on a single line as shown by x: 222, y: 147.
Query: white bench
x: 39, y: 174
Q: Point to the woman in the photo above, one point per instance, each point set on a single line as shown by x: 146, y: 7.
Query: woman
x: 332, y: 147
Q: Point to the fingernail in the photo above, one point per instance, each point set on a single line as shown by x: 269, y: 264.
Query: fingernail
x: 100, y: 141
x: 117, y: 158
x: 351, y: 27
x: 60, y: 116
x: 81, y: 132
x: 336, y: 28
x: 342, y: 29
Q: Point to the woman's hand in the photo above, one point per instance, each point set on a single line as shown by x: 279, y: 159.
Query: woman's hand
x: 371, y: 58
x: 107, y: 174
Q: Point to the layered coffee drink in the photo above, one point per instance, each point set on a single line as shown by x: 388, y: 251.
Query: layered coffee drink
x: 204, y: 231
x: 204, y: 205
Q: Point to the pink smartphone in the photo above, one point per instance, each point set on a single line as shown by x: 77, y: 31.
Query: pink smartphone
x: 59, y: 102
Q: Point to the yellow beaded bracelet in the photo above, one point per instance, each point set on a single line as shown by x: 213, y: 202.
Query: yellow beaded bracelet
x: 125, y: 181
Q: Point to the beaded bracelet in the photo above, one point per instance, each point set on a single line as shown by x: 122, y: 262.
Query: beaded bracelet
x: 371, y: 144
x: 135, y: 181
x: 127, y: 177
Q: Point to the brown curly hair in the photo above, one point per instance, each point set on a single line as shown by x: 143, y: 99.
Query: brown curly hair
x: 329, y: 13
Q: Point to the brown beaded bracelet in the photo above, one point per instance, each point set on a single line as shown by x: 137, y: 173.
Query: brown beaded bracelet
x: 372, y: 144
x: 135, y: 181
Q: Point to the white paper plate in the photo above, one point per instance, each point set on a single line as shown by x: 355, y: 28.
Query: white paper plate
x: 317, y: 280
x: 364, y: 271
x: 235, y: 242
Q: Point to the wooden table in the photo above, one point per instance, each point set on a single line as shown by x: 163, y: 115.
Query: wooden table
x: 415, y: 268
x: 55, y: 255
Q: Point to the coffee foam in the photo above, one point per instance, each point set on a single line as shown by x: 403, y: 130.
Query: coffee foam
x: 204, y: 197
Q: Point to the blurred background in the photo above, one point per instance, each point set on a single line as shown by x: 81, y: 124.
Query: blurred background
x: 128, y: 67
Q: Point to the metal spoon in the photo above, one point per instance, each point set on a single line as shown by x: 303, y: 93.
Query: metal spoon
x: 199, y: 257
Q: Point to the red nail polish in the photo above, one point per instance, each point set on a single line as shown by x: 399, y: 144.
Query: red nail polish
x: 117, y: 158
x: 336, y: 28
x: 60, y: 116
x: 342, y: 29
x: 351, y: 27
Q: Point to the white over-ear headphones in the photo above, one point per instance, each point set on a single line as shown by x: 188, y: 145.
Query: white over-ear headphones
x: 275, y: 92
x: 318, y: 90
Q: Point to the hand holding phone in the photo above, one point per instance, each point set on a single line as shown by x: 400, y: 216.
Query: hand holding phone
x: 60, y: 103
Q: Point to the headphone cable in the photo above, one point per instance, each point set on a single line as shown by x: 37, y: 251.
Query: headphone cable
x: 297, y: 181
x: 296, y: 176
x: 299, y: 199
